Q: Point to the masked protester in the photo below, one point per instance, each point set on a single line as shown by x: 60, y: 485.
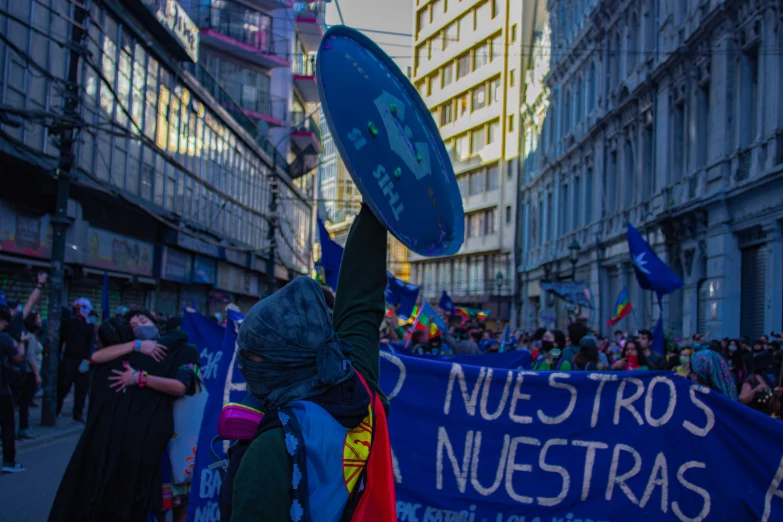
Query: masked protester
x: 115, y: 472
x: 552, y: 343
x: 316, y: 377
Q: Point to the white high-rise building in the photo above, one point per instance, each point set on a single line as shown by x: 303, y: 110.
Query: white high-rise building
x: 469, y: 67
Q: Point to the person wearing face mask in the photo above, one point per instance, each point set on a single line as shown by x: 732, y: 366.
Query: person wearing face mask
x: 685, y: 359
x: 760, y: 390
x: 77, y: 338
x: 117, y: 470
x: 550, y: 358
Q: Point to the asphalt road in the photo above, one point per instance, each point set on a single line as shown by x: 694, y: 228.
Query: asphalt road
x: 28, y: 496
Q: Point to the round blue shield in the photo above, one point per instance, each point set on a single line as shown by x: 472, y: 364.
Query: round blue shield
x: 389, y: 143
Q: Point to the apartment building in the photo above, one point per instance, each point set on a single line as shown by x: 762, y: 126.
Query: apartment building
x: 468, y: 67
x: 666, y: 115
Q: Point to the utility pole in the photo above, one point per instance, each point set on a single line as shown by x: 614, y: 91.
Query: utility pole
x: 60, y: 221
x: 271, y: 283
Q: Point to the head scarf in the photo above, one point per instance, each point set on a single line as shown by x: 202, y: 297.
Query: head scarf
x: 712, y: 370
x: 301, y: 355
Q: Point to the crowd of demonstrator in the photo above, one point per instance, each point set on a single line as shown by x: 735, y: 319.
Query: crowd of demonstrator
x: 744, y: 370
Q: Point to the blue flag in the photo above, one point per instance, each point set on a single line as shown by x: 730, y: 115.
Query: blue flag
x: 446, y: 304
x: 651, y: 272
x: 331, y: 256
x: 400, y: 293
x: 105, y: 313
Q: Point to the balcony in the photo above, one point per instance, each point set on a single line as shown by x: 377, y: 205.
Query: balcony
x: 306, y: 133
x: 310, y: 24
x: 244, y: 33
x: 304, y: 78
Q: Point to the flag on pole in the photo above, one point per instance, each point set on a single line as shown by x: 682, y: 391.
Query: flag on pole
x: 622, y: 307
x: 429, y: 320
x: 446, y: 304
x: 505, y: 341
x: 652, y: 274
x: 331, y: 256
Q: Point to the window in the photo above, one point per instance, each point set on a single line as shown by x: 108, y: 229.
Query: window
x: 463, y: 65
x: 494, y: 132
x: 477, y: 140
x: 508, y: 214
x: 421, y: 55
x: 550, y: 217
x: 422, y: 18
x: 461, y: 147
x: 678, y: 138
x: 447, y: 75
x: 474, y: 222
x: 633, y: 44
x: 483, y: 15
x: 576, y: 204
x: 702, y: 124
x: 495, y: 8
x: 629, y: 173
x: 476, y: 182
x: 511, y: 123
x: 494, y: 91
x: 446, y: 113
x: 563, y: 209
x: 450, y: 35
x: 496, y: 47
x: 511, y: 77
x: 479, y: 97
x: 514, y: 33
x: 462, y: 182
x: 462, y: 106
x: 462, y: 25
x: 480, y: 56
x: 489, y: 222
x: 492, y: 177
x: 429, y: 86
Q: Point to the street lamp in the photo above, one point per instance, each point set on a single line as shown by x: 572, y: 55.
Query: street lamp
x: 499, y: 283
x: 573, y: 256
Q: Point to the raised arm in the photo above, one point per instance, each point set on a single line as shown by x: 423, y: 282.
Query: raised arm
x: 360, y: 303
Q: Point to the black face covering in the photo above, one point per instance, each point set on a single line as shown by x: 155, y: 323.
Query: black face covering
x: 547, y: 345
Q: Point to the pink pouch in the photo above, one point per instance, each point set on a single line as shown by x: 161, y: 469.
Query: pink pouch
x: 238, y: 422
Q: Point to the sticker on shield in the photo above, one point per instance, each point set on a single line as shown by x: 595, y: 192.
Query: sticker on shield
x: 389, y: 143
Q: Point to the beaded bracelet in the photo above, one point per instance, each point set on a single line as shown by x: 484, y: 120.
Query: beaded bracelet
x: 142, y: 379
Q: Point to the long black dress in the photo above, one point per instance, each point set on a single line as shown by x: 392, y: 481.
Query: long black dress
x: 115, y: 471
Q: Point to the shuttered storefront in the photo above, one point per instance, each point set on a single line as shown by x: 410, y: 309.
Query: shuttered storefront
x: 195, y: 294
x: 754, y: 269
x: 132, y: 297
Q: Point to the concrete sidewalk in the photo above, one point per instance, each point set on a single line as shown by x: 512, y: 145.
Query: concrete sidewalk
x: 47, y: 434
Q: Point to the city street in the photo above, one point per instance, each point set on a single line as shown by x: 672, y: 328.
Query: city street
x: 27, y: 497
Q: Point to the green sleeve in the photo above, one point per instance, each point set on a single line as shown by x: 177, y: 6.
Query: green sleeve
x: 262, y: 486
x: 566, y: 366
x: 360, y: 302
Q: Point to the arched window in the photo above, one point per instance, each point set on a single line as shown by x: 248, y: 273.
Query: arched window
x: 649, y: 27
x: 633, y: 44
x: 615, y: 51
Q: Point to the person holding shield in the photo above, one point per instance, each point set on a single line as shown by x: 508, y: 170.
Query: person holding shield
x: 317, y: 379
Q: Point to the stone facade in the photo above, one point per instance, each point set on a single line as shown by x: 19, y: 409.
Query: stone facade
x: 665, y: 114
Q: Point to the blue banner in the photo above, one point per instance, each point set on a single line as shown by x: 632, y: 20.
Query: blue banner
x: 476, y: 444
x: 517, y: 360
x: 216, y: 345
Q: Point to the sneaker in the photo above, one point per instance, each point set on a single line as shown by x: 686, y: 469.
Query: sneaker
x: 12, y: 468
x: 27, y: 433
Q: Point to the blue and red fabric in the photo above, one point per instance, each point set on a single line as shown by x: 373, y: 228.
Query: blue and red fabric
x: 622, y: 307
x: 332, y: 466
